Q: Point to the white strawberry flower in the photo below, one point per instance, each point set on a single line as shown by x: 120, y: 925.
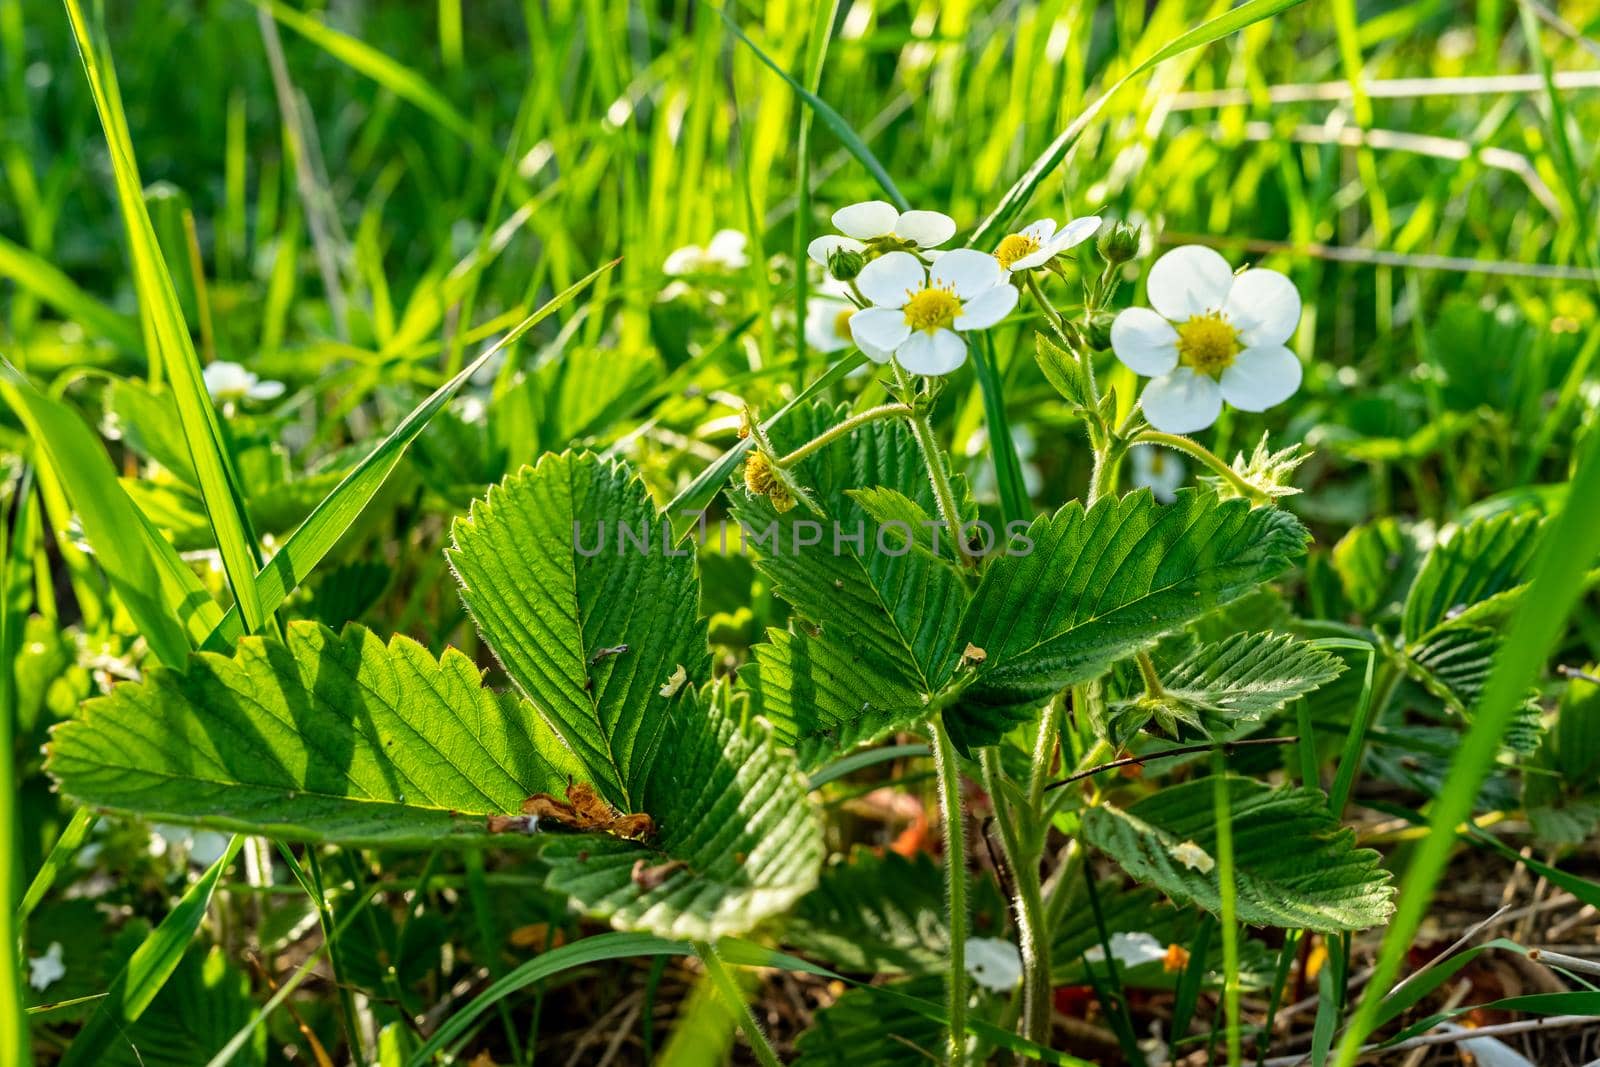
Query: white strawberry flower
x: 1158, y: 470
x: 1212, y: 336
x: 230, y: 382
x: 881, y: 224
x: 827, y: 327
x: 1039, y: 242
x: 725, y: 254
x: 919, y: 313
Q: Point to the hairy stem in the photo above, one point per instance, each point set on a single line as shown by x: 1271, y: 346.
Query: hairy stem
x: 854, y: 422
x: 938, y: 477
x: 1034, y: 935
x: 955, y: 867
x: 736, y: 1002
x: 1205, y: 456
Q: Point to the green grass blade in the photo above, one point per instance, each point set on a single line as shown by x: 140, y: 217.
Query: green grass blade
x: 1569, y: 548
x: 685, y: 509
x: 388, y: 72
x: 328, y: 521
x: 148, y: 970
x: 1002, y: 448
x: 1017, y: 197
x: 816, y: 55
x: 13, y: 1023
x: 158, y: 298
x: 835, y: 122
x: 42, y: 279
x: 597, y: 949
x: 172, y: 609
x: 67, y: 844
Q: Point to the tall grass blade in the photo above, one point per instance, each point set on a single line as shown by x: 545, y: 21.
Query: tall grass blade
x: 158, y: 298
x: 1570, y: 546
x: 328, y: 521
x: 1017, y: 197
x: 148, y: 970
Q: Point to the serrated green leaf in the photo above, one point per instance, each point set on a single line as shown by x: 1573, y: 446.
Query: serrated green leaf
x: 737, y: 838
x: 1063, y: 371
x: 1453, y: 665
x: 1103, y: 584
x: 1470, y: 574
x: 877, y: 642
x: 1561, y: 781
x: 1377, y: 562
x: 875, y: 914
x: 1220, y: 687
x: 1294, y: 865
x: 323, y: 738
x: 590, y: 636
x: 864, y: 1029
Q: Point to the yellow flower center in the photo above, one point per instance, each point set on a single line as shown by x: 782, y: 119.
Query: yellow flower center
x: 1208, y: 343
x: 932, y: 308
x: 841, y: 323
x: 1014, y: 247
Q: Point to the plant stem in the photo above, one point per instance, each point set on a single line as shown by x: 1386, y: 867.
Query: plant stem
x: 1029, y: 910
x: 1206, y: 456
x: 1049, y: 310
x: 1228, y: 891
x: 827, y: 437
x: 938, y: 477
x: 955, y: 867
x: 736, y: 1002
x: 1152, y: 679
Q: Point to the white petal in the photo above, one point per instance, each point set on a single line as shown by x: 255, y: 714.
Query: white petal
x: 889, y: 280
x: 878, y: 329
x: 866, y: 220
x: 1144, y: 341
x: 994, y: 964
x: 1046, y: 253
x: 1182, y: 402
x: 927, y: 228
x: 1260, y: 377
x: 820, y: 249
x: 1078, y: 231
x: 822, y: 333
x: 683, y: 260
x: 223, y: 378
x: 1187, y: 281
x: 938, y: 353
x: 987, y: 308
x: 968, y: 271
x: 1264, y: 305
x: 1040, y: 230
x: 727, y: 247
x: 268, y: 390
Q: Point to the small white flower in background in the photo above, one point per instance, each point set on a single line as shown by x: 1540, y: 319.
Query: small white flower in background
x: 1129, y: 950
x: 828, y: 318
x: 230, y: 382
x: 202, y: 847
x: 1193, y: 857
x: 1158, y: 470
x: 1039, y: 242
x: 918, y: 313
x: 725, y: 253
x: 880, y: 222
x: 993, y: 963
x: 44, y: 971
x: 985, y: 483
x: 1213, y: 336
x: 1487, y: 1051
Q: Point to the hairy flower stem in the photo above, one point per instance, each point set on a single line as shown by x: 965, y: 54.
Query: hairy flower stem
x: 955, y: 868
x: 737, y: 1003
x: 1205, y: 456
x: 938, y: 476
x: 1023, y: 861
x: 854, y: 422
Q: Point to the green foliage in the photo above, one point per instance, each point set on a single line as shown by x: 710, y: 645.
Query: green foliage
x: 1100, y: 585
x: 1561, y: 780
x: 588, y: 625
x: 1222, y: 687
x: 1294, y: 866
x: 863, y: 1029
x: 874, y: 914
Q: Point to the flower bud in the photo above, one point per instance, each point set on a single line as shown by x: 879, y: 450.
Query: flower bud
x: 1098, y: 332
x: 782, y: 499
x: 845, y: 264
x: 1120, y: 242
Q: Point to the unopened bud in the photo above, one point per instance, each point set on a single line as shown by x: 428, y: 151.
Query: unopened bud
x: 1098, y: 331
x: 844, y: 264
x: 1120, y: 242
